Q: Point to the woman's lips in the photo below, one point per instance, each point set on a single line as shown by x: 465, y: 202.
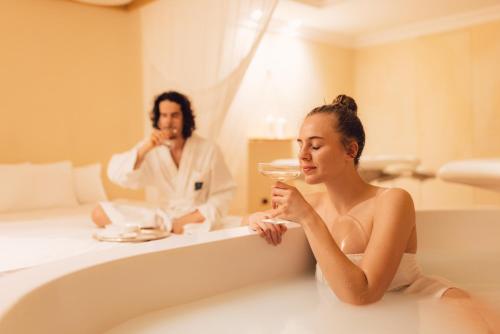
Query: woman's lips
x: 308, y: 169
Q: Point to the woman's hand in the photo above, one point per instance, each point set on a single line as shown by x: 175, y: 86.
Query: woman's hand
x: 271, y: 232
x: 289, y: 204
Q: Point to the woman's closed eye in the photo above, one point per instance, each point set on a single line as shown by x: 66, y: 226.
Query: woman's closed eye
x: 308, y: 145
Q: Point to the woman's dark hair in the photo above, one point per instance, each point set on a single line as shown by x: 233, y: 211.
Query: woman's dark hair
x: 188, y: 123
x: 348, y: 124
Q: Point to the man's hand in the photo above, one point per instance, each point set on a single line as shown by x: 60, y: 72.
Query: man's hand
x: 158, y: 137
x: 193, y: 217
x: 177, y: 227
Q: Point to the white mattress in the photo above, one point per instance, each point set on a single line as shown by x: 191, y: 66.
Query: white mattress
x: 36, y: 237
x: 33, y: 238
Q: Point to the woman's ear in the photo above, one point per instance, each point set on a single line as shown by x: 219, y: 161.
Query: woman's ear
x: 352, y: 149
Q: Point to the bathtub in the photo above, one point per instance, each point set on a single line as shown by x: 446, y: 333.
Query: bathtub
x: 231, y: 280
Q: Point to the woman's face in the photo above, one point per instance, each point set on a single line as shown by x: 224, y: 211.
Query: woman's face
x: 322, y: 155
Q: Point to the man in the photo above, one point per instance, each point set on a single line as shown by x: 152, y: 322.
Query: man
x: 187, y: 172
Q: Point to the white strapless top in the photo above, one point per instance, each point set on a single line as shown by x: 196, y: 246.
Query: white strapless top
x: 408, y: 271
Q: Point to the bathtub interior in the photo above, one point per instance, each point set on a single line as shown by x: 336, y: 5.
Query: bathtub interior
x: 300, y: 305
x: 462, y: 246
x: 238, y: 281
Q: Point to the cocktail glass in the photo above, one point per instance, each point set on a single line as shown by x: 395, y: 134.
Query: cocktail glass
x: 278, y: 172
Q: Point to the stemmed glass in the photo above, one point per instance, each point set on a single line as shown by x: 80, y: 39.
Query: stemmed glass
x: 278, y: 172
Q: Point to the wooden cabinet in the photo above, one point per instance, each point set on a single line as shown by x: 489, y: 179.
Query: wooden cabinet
x: 259, y: 186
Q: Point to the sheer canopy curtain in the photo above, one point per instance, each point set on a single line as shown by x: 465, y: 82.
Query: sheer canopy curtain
x: 201, y: 48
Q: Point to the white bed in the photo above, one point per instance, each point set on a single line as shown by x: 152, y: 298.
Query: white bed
x: 33, y: 238
x: 36, y: 237
x: 45, y: 213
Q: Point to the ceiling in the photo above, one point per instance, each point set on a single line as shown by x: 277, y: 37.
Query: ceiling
x: 356, y: 23
x: 357, y: 17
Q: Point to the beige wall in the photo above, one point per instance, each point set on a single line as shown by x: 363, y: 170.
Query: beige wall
x: 70, y: 82
x: 435, y: 97
x: 287, y: 78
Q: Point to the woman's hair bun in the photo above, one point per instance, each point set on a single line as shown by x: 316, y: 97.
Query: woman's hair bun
x: 346, y: 102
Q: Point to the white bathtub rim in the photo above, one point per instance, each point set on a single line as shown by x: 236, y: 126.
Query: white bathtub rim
x: 15, y: 286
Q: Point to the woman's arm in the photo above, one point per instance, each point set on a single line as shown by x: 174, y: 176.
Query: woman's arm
x: 393, y: 223
x: 347, y: 281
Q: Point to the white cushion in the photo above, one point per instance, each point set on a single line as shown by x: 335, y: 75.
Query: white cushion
x: 88, y: 184
x: 36, y: 186
x: 483, y: 173
x: 15, y: 183
x: 52, y: 186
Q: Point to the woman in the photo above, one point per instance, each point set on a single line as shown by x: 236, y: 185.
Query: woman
x: 363, y: 237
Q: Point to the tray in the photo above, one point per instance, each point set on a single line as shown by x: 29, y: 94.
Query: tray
x: 140, y: 236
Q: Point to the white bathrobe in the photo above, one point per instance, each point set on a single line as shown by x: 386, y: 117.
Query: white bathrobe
x: 202, y: 181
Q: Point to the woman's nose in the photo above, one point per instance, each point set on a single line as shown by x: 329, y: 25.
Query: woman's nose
x: 304, y: 155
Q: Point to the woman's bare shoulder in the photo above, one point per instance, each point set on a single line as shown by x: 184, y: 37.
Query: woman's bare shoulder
x: 395, y: 203
x: 394, y: 195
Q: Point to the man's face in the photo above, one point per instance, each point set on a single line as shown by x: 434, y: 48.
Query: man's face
x: 171, y: 118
